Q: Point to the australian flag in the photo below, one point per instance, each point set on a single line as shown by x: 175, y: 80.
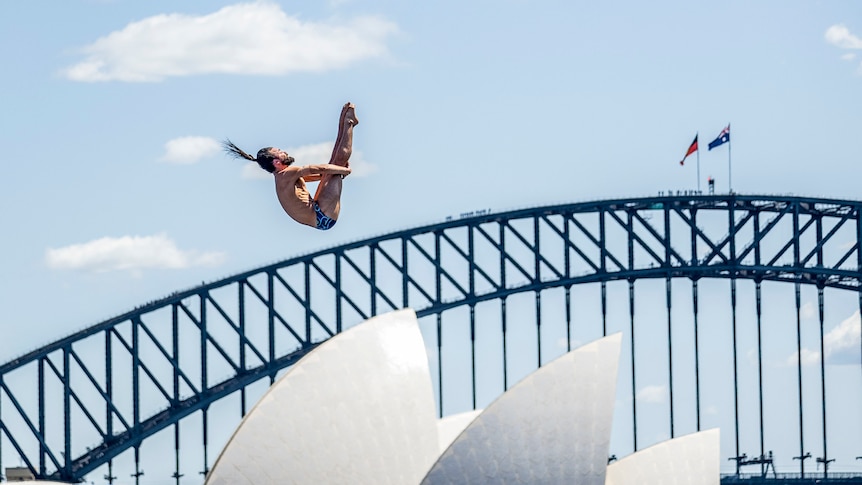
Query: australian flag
x: 723, y: 138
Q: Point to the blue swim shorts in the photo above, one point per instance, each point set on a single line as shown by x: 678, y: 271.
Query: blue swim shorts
x: 324, y: 222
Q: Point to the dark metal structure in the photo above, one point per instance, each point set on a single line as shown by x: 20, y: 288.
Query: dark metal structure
x: 72, y: 407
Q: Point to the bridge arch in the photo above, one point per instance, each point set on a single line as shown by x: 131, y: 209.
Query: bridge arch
x: 124, y: 380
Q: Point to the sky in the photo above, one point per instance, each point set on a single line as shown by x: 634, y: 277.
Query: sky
x: 116, y: 191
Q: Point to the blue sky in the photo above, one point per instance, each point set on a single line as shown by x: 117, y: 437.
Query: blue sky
x: 115, y: 192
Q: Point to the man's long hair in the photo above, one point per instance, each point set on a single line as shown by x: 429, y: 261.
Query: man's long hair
x: 264, y: 159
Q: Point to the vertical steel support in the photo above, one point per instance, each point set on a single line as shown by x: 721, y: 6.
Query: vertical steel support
x: 733, y: 271
x: 798, y: 337
x: 695, y: 309
x: 631, y: 281
x: 439, y: 298
x: 109, y: 392
x: 859, y: 270
x: 822, y: 375
x: 138, y: 471
x: 536, y: 280
x: 694, y: 303
x: 669, y: 305
x: 798, y: 296
x: 204, y: 360
x: 634, y: 375
x: 567, y: 260
x: 339, y: 294
x: 372, y: 269
x: 175, y: 342
x: 41, y: 404
x: 177, y: 475
x: 604, y: 286
x: 473, y: 351
x: 603, y: 269
x: 471, y: 267
x: 759, y: 309
x: 735, y: 370
x: 204, y: 338
x: 307, y: 304
x: 136, y: 383
x: 67, y: 413
x: 271, y: 322
x: 242, y: 339
x: 820, y: 304
x: 503, y: 301
x: 538, y: 328
x: 205, y: 430
x: 505, y: 359
x: 175, y: 336
x: 136, y: 394
x: 668, y: 299
x: 405, y: 290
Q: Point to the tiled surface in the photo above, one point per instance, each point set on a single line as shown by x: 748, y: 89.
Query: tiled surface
x: 552, y: 427
x: 358, y: 409
x: 688, y: 460
x: 449, y: 427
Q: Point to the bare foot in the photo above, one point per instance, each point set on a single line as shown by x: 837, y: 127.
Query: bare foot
x: 348, y: 114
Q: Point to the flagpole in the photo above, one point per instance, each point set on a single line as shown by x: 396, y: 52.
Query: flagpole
x: 698, y: 167
x: 729, y: 185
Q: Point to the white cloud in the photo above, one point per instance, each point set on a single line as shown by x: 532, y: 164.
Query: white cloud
x: 848, y: 57
x: 841, y: 345
x: 315, y: 154
x: 190, y: 149
x: 807, y: 311
x: 840, y: 36
x: 132, y: 253
x: 248, y: 38
x: 654, y: 394
x: 808, y: 357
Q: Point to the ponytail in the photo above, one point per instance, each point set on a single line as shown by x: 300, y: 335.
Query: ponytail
x: 263, y: 158
x: 236, y: 151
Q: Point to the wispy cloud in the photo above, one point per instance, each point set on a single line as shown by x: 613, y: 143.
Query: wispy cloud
x: 314, y: 154
x: 840, y: 345
x: 131, y: 253
x: 248, y: 38
x: 654, y: 394
x: 190, y: 149
x: 807, y: 310
x: 840, y: 36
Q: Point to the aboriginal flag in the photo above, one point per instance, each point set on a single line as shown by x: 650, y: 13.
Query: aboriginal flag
x: 691, y: 149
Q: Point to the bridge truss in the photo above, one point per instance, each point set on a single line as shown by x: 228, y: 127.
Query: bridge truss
x: 728, y: 282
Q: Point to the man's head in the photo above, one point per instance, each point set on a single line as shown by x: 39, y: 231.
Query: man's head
x: 273, y: 159
x: 269, y: 158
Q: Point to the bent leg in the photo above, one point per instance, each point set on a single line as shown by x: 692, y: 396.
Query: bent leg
x: 344, y: 141
x: 328, y: 193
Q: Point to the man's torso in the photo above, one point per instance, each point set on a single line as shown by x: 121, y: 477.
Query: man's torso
x: 294, y: 197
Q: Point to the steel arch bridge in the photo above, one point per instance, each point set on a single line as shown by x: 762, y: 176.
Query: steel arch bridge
x: 75, y: 406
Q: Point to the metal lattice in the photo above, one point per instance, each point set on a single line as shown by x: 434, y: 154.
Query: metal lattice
x: 75, y: 405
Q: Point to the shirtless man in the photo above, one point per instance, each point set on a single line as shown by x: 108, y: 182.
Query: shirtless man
x: 320, y: 211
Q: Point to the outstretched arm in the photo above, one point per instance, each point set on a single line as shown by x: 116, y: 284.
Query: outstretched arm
x: 312, y: 173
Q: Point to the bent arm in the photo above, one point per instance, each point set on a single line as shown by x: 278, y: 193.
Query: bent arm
x: 313, y: 173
